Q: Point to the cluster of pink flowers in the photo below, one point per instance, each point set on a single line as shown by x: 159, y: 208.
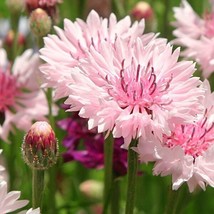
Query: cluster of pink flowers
x: 19, y: 83
x: 196, y: 35
x: 132, y: 84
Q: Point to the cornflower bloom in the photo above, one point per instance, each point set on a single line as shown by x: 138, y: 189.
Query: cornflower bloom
x: 120, y: 79
x: 134, y: 90
x: 196, y: 35
x: 188, y: 153
x: 87, y: 146
x: 21, y: 99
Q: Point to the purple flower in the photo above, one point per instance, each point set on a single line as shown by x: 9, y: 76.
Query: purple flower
x: 87, y: 146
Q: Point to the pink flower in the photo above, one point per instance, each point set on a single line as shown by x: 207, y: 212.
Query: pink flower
x: 21, y: 100
x: 196, y: 34
x: 9, y: 200
x: 134, y: 89
x: 188, y: 154
x: 64, y: 50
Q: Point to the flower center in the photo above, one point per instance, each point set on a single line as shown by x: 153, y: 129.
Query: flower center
x: 194, y: 139
x: 8, y: 90
x: 138, y: 86
x: 209, y: 25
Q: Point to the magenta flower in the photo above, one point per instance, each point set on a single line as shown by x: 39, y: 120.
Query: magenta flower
x: 71, y: 44
x: 87, y: 147
x: 188, y: 153
x: 196, y: 35
x: 21, y: 100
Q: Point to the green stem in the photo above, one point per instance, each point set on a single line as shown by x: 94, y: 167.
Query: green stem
x: 108, y: 162
x: 120, y: 8
x: 52, y: 170
x: 37, y: 187
x: 50, y: 103
x: 174, y: 197
x: 115, y: 199
x: 132, y: 172
x: 166, y: 19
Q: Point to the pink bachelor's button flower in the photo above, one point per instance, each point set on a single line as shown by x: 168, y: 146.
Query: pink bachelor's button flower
x: 196, y: 34
x: 9, y: 200
x: 134, y: 89
x: 188, y: 153
x: 21, y: 99
x: 64, y: 50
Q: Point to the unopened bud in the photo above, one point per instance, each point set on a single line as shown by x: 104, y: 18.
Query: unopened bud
x: 142, y: 10
x: 16, y: 6
x: 9, y: 39
x: 92, y: 189
x: 40, y: 22
x: 40, y: 148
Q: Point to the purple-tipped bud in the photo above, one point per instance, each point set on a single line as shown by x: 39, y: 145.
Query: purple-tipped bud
x: 40, y: 146
x: 40, y: 22
x: 142, y: 10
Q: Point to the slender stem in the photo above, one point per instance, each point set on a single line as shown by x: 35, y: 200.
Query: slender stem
x: 126, y: 5
x: 132, y: 172
x: 120, y: 8
x: 12, y: 155
x: 115, y: 199
x: 50, y: 103
x: 37, y: 187
x: 52, y: 170
x: 108, y: 162
x: 173, y: 200
x: 166, y: 19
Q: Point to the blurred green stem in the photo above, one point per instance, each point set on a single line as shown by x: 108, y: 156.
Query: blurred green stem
x: 166, y: 19
x: 115, y: 199
x: 120, y: 8
x: 176, y: 200
x: 14, y: 26
x: 37, y: 187
x: 132, y: 174
x: 81, y: 7
x: 11, y: 165
x: 108, y: 172
x: 52, y: 170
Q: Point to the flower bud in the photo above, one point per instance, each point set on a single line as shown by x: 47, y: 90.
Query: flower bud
x: 40, y: 146
x: 9, y: 39
x: 142, y: 10
x: 92, y: 189
x: 40, y: 22
x: 16, y: 6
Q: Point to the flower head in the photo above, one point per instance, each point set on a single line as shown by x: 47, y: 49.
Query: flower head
x: 134, y: 90
x: 21, y: 100
x: 40, y: 147
x: 9, y: 200
x: 196, y: 35
x: 187, y: 154
x: 120, y: 79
